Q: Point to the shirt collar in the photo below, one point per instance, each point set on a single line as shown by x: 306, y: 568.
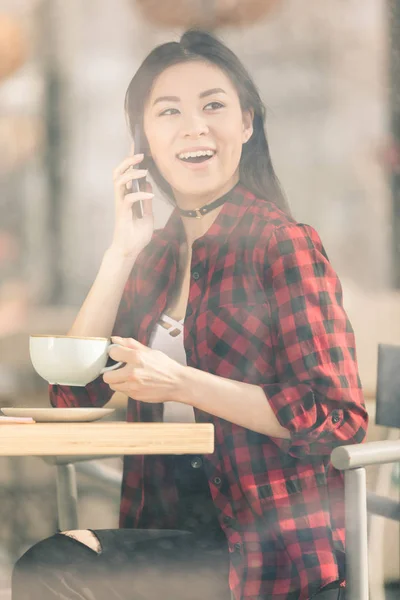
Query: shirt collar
x: 238, y: 200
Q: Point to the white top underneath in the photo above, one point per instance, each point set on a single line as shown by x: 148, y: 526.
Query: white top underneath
x: 170, y: 341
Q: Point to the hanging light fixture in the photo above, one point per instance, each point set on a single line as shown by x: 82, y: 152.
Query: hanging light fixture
x: 207, y: 14
x: 13, y: 46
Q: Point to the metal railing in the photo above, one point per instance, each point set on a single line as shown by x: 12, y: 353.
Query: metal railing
x: 353, y: 460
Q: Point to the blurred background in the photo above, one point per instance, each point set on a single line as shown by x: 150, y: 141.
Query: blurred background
x: 329, y: 73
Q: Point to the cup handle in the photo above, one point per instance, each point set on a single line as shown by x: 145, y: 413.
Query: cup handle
x: 112, y: 367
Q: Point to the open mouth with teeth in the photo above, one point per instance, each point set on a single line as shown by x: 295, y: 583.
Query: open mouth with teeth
x: 196, y: 157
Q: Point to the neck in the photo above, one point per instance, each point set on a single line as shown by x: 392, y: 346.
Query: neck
x: 195, y: 228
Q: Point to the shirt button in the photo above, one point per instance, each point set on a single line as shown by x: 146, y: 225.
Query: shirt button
x: 227, y: 520
x: 196, y: 462
x: 335, y: 416
x: 217, y: 480
x: 196, y: 275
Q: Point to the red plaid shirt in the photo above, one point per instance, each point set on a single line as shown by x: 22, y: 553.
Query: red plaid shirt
x: 265, y: 307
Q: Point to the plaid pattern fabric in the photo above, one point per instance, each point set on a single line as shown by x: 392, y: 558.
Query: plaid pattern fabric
x: 265, y: 307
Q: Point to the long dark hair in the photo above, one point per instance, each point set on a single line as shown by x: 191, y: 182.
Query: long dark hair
x: 255, y: 170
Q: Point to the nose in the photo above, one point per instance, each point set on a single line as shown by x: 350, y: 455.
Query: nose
x: 194, y: 125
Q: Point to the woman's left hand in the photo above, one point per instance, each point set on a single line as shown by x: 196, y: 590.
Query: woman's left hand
x: 149, y: 375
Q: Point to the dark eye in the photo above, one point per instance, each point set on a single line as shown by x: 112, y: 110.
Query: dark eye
x: 169, y: 111
x: 214, y: 105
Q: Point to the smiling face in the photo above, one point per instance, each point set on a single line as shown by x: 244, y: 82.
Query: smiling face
x: 195, y: 128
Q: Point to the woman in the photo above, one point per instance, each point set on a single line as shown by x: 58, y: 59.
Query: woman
x: 233, y: 313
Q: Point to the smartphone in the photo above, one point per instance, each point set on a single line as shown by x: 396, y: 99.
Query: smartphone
x: 137, y: 207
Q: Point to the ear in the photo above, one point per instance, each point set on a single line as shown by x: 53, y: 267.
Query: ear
x: 248, y: 116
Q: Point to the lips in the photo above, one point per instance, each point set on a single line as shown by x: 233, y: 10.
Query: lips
x: 198, y: 165
x: 196, y: 155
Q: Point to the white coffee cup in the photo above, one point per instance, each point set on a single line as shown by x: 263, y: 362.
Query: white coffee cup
x: 69, y: 360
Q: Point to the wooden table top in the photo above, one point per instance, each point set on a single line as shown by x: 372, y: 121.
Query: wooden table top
x: 111, y: 438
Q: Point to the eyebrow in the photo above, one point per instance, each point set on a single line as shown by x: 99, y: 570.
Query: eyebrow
x: 201, y: 95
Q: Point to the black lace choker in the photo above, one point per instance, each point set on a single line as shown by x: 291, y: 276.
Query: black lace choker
x: 197, y: 213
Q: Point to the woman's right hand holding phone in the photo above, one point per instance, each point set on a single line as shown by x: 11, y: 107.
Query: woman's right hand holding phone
x: 131, y: 234
x: 97, y: 315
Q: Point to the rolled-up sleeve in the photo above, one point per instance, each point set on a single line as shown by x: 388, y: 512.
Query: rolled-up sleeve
x: 98, y: 393
x: 317, y: 395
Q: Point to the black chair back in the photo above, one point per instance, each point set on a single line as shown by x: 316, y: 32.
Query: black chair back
x: 388, y: 386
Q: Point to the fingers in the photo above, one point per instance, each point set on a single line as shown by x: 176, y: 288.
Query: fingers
x: 130, y: 199
x: 125, y: 355
x: 119, y: 376
x: 148, y: 187
x: 125, y: 373
x: 130, y: 175
x: 146, y: 200
x: 131, y: 161
x: 148, y: 207
x: 119, y: 387
x: 130, y: 343
x: 127, y: 351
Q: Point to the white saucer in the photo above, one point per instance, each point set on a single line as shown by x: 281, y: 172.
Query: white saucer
x: 54, y: 415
